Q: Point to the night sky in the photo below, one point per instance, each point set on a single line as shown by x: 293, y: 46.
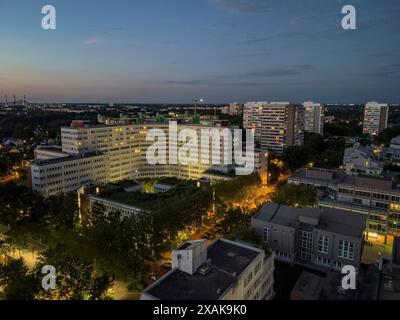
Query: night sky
x: 171, y: 51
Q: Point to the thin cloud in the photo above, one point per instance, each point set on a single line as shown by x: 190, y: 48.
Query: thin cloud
x: 387, y: 71
x: 247, y: 78
x: 250, y: 55
x: 222, y: 25
x: 93, y: 41
x: 281, y: 35
x: 242, y: 6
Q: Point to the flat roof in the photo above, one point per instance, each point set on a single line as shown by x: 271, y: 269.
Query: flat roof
x: 179, y: 285
x: 131, y: 199
x: 337, y: 177
x: 228, y: 261
x: 328, y: 219
x: 368, y: 182
x: 51, y: 148
x: 147, y: 201
x: 41, y: 162
x: 152, y: 124
x: 319, y: 174
x: 309, y: 286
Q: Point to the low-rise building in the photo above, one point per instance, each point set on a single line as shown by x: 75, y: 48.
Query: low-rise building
x: 362, y: 160
x: 307, y: 287
x: 226, y: 270
x: 111, y: 206
x: 395, y: 143
x: 377, y: 198
x: 321, y: 238
x: 311, y: 286
x: 161, y: 187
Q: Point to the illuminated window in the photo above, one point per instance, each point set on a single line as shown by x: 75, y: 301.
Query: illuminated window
x: 395, y: 207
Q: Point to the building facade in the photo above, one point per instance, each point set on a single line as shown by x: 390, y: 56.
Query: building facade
x: 226, y: 270
x: 377, y: 198
x: 110, y: 153
x: 313, y: 117
x: 326, y: 238
x: 395, y: 143
x: 362, y: 160
x: 234, y: 109
x: 252, y: 117
x: 276, y: 125
x: 110, y: 206
x: 376, y: 116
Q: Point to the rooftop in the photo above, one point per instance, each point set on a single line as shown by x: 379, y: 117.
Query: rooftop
x: 323, y: 175
x: 228, y: 261
x: 51, y: 148
x: 337, y: 177
x: 41, y: 162
x: 395, y: 141
x: 368, y: 182
x: 307, y: 287
x: 328, y: 219
x: 148, y: 201
x: 151, y: 124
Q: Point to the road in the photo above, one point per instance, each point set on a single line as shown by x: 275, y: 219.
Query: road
x: 8, y: 178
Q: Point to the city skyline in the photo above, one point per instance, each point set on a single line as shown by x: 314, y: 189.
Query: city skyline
x: 199, y: 152
x: 220, y: 50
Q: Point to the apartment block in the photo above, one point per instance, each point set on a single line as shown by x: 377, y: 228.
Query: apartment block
x: 252, y: 117
x: 324, y: 238
x: 378, y: 199
x: 313, y: 117
x: 225, y: 270
x: 276, y: 125
x: 111, y: 153
x: 233, y: 109
x: 376, y: 118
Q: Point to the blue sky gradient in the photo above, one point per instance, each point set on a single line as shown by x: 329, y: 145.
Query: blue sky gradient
x: 222, y: 50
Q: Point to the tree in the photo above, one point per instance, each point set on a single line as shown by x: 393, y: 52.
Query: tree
x: 293, y: 195
x: 3, y: 168
x: 98, y: 213
x: 18, y: 282
x: 62, y: 211
x: 237, y: 188
x: 387, y: 135
x: 233, y: 220
x: 250, y: 236
x: 323, y: 153
x: 121, y: 248
x: 76, y: 277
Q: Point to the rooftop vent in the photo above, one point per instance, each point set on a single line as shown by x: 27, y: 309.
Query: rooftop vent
x: 204, y: 269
